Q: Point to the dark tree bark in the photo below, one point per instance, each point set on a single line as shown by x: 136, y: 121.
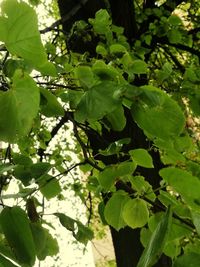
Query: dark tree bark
x: 126, y: 242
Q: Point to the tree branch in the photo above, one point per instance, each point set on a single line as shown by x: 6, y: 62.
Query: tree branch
x: 182, y: 47
x: 54, y: 131
x: 65, y: 18
x: 157, y: 205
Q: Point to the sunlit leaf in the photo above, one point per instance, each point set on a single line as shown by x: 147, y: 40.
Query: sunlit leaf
x: 135, y: 213
x: 141, y: 157
x: 19, y: 31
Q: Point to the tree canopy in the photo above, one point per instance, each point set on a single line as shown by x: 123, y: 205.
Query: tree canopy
x: 111, y: 88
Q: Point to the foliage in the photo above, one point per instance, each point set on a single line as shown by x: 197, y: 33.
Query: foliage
x: 47, y: 89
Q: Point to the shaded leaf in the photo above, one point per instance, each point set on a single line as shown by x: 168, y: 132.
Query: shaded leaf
x: 18, y: 108
x: 184, y: 183
x: 39, y: 237
x: 66, y: 221
x: 16, y: 228
x: 157, y: 114
x: 187, y: 260
x: 138, y: 67
x: 108, y: 176
x: 117, y: 119
x: 4, y: 262
x: 50, y: 107
x: 98, y: 101
x: 51, y: 247
x: 84, y: 233
x: 154, y: 249
x: 49, y: 186
x: 114, y: 208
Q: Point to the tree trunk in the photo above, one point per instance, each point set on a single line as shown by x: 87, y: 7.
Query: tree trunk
x: 126, y: 242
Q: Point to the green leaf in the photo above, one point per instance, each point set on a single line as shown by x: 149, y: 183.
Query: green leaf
x: 101, y: 22
x: 105, y: 71
x: 175, y: 20
x: 139, y: 67
x: 19, y: 31
x: 184, y: 183
x: 72, y: 97
x: 6, y: 167
x: 40, y: 168
x: 156, y: 244
x: 177, y: 230
x: 115, y: 147
x: 142, y: 186
x: 174, y: 36
x: 117, y: 119
x: 11, y: 65
x: 98, y: 101
x: 84, y: 233
x: 85, y: 76
x: 49, y: 186
x: 18, y: 107
x: 141, y: 157
x: 196, y: 220
x: 16, y: 228
x: 117, y: 49
x: 4, y: 262
x: 108, y: 176
x: 100, y: 49
x: 187, y: 260
x: 165, y: 73
x: 51, y: 248
x: 20, y: 159
x: 114, y: 208
x: 39, y: 237
x: 135, y: 213
x: 26, y: 172
x: 50, y: 106
x: 157, y: 114
x: 181, y: 209
x: 66, y: 221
